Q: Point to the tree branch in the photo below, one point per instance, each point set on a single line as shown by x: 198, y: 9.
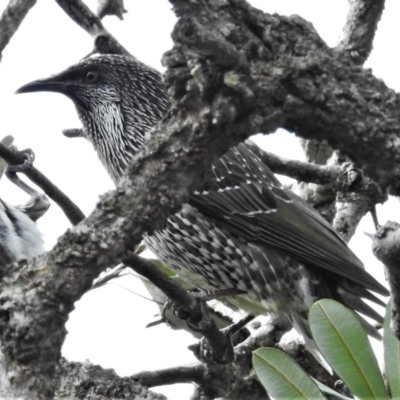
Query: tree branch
x: 11, y: 19
x: 359, y: 32
x: 357, y: 39
x: 91, y: 382
x: 111, y: 7
x: 302, y: 171
x: 105, y: 43
x: 70, y: 209
x: 386, y: 247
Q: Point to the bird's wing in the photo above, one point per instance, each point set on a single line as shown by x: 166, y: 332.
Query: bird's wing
x: 244, y: 197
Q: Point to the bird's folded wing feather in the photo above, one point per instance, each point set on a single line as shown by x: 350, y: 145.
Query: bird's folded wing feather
x: 244, y: 197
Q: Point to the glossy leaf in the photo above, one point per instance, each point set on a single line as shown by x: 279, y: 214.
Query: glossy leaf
x: 282, y: 377
x: 345, y: 345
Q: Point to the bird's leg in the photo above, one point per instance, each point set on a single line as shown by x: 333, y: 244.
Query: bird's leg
x: 38, y: 204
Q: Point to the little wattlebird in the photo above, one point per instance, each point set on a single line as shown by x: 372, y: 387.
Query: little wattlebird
x: 243, y: 230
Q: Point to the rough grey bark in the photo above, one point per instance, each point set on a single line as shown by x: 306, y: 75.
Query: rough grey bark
x: 386, y: 247
x: 11, y: 18
x: 345, y: 211
x: 359, y: 31
x: 91, y: 382
x: 233, y: 71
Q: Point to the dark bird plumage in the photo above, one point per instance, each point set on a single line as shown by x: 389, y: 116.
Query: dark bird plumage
x: 20, y: 237
x: 243, y: 229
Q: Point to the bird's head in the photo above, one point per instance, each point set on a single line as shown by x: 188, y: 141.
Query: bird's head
x: 118, y: 99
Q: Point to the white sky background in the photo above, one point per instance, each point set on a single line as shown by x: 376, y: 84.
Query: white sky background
x: 107, y: 326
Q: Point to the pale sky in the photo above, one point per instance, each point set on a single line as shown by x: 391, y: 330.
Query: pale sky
x: 107, y: 326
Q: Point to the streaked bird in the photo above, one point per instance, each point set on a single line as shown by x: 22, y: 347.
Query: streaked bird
x: 242, y: 230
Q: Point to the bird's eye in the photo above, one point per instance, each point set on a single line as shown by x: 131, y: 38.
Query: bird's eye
x: 92, y: 76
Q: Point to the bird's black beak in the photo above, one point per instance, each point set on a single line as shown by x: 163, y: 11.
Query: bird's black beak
x: 43, y: 85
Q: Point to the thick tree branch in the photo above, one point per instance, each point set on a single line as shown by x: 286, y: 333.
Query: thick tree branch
x: 357, y: 39
x: 105, y: 43
x: 386, y: 247
x: 359, y: 31
x: 70, y: 209
x: 11, y: 19
x: 91, y: 382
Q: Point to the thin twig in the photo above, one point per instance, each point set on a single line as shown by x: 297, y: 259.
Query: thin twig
x: 169, y: 376
x: 70, y: 209
x: 359, y: 30
x: 105, y: 43
x: 302, y: 171
x: 11, y: 19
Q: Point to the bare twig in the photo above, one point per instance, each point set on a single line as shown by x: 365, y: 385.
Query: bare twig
x: 11, y: 19
x: 386, y: 247
x: 70, y: 209
x: 169, y: 376
x: 359, y: 31
x: 302, y: 171
x: 87, y: 20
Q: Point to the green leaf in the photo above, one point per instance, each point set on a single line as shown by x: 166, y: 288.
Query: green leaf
x: 282, y: 377
x: 345, y: 345
x: 391, y: 349
x: 6, y: 141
